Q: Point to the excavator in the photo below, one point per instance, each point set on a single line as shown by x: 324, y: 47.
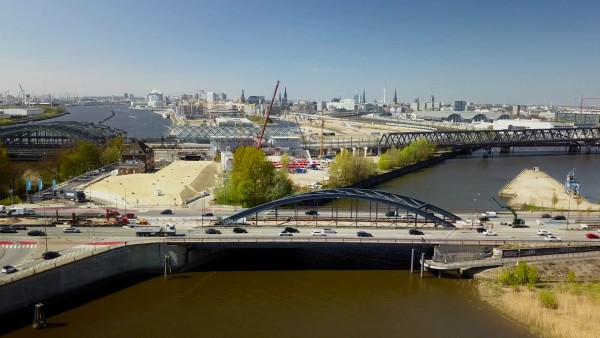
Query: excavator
x: 516, y: 219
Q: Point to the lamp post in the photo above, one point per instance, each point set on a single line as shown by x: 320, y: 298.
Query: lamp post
x: 473, y: 219
x: 45, y: 231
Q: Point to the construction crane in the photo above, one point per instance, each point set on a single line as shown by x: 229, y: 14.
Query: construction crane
x: 516, y: 219
x: 262, y: 133
x: 25, y: 96
x: 322, y: 127
x: 301, y: 133
x: 584, y: 98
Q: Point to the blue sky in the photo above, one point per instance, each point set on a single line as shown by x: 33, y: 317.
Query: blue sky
x: 522, y: 52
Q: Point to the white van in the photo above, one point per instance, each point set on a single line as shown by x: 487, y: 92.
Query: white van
x: 2, y: 209
x: 489, y: 214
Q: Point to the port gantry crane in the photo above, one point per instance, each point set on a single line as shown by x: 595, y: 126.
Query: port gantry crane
x: 262, y: 133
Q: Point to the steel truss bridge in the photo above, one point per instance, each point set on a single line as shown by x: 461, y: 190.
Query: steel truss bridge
x: 392, y: 202
x: 570, y: 137
x: 203, y: 134
x: 30, y: 141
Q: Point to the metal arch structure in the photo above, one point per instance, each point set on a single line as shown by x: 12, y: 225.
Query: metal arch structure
x: 206, y: 133
x: 498, y: 138
x: 393, y: 200
x: 36, y: 138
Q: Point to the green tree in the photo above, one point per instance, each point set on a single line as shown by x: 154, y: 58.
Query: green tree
x: 385, y: 162
x: 4, y: 171
x: 285, y: 160
x: 347, y: 169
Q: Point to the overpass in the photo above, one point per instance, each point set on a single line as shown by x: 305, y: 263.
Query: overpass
x: 392, y: 204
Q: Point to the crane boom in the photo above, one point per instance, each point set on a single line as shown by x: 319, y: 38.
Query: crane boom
x: 516, y: 219
x: 262, y: 133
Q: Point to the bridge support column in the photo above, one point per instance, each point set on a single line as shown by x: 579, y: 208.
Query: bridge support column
x: 378, y: 151
x: 588, y: 150
x: 573, y: 149
x: 353, y: 151
x: 412, y: 260
x: 422, y: 263
x: 366, y: 150
x: 488, y: 152
x: 504, y: 150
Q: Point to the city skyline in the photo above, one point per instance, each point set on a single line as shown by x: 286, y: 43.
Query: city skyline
x: 510, y: 52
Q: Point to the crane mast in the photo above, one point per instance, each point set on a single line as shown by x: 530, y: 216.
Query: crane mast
x: 262, y: 133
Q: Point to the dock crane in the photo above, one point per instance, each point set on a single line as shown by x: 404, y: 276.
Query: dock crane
x: 516, y: 219
x: 301, y: 133
x: 262, y: 133
x: 25, y: 96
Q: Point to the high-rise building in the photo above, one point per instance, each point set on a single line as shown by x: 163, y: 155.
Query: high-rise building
x: 125, y: 96
x: 460, y: 105
x: 155, y: 99
x: 516, y: 110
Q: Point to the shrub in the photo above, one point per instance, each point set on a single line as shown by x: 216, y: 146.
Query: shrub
x: 571, y: 277
x: 548, y: 300
x: 522, y: 274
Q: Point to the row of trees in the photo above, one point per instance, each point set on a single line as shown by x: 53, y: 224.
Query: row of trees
x: 415, y: 152
x: 59, y: 165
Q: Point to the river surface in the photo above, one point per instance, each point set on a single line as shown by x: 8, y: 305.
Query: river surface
x: 301, y: 293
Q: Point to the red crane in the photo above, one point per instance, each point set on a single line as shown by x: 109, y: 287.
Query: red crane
x: 262, y: 133
x: 584, y: 98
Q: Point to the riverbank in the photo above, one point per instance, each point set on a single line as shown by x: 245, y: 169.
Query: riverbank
x: 565, y: 303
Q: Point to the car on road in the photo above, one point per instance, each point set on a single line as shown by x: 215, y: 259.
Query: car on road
x: 552, y: 238
x: 18, y: 227
x: 543, y: 232
x: 8, y: 269
x: 36, y: 233
x: 391, y: 214
x: 272, y: 212
x: 489, y: 233
x: 71, y: 231
x: 7, y: 230
x: 285, y: 233
x: 207, y: 214
x: 480, y: 230
x: 318, y: 233
x: 415, y: 232
x: 239, y: 230
x: 484, y: 219
x: 212, y: 231
x: 592, y: 236
x: 545, y: 216
x: 50, y: 255
x: 329, y: 231
x: 312, y: 212
x: 559, y: 218
x: 291, y: 230
x: 167, y: 212
x: 363, y: 234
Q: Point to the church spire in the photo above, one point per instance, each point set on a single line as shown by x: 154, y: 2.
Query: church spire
x: 243, y: 98
x: 395, y: 97
x: 285, y: 98
x: 363, y: 99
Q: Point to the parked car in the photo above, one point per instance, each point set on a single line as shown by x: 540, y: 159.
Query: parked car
x: 543, y: 232
x: 592, y: 236
x: 552, y: 238
x: 312, y: 212
x: 545, y: 216
x: 363, y: 234
x: 272, y: 212
x: 239, y: 230
x: 36, y: 233
x: 8, y: 269
x: 318, y: 233
x: 285, y: 233
x: 489, y: 233
x: 559, y: 218
x: 415, y: 232
x: 18, y: 227
x: 329, y: 231
x: 480, y: 230
x: 166, y: 212
x: 291, y: 230
x: 71, y: 230
x: 7, y: 230
x: 212, y: 231
x: 207, y: 214
x: 50, y: 255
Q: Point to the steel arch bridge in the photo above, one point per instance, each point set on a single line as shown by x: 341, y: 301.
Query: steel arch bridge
x: 395, y: 201
x: 37, y: 138
x: 498, y: 138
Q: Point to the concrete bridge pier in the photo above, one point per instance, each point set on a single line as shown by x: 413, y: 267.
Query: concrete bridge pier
x: 504, y: 150
x: 487, y: 152
x: 573, y: 149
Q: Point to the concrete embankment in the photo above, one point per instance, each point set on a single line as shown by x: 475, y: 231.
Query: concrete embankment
x: 67, y: 280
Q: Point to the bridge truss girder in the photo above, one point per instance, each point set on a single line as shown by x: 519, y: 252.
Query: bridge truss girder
x: 206, y: 133
x: 409, y: 204
x: 498, y: 138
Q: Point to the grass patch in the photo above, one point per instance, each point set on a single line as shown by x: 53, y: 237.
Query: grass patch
x: 548, y: 300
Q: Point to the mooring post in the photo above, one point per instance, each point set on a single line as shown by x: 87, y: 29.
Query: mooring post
x: 412, y: 260
x: 422, y: 263
x: 39, y: 318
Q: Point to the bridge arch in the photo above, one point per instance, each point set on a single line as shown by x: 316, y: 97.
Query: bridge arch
x: 428, y: 211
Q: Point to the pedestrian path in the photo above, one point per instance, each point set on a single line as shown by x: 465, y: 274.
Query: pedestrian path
x: 18, y: 245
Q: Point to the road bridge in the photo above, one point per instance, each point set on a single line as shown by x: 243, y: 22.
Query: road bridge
x: 392, y: 203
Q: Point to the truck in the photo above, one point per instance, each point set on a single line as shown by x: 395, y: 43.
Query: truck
x: 21, y: 212
x: 74, y: 195
x: 489, y: 214
x: 155, y: 230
